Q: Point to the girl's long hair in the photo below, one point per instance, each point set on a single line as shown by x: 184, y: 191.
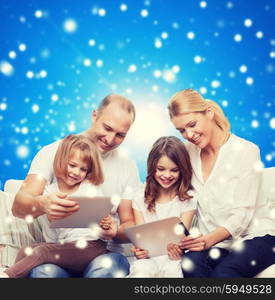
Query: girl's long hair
x: 175, y: 150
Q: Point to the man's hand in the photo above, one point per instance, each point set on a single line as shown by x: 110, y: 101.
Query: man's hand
x: 109, y: 228
x: 174, y: 251
x: 191, y: 243
x: 57, y: 206
x: 140, y: 253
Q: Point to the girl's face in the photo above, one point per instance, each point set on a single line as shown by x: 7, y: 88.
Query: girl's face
x: 195, y: 127
x: 167, y: 172
x: 77, y: 169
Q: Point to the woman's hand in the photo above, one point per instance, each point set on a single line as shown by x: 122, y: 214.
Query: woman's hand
x: 140, y: 253
x: 174, y: 251
x: 109, y: 228
x: 191, y: 243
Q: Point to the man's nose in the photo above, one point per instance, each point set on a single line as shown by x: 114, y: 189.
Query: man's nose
x: 110, y: 138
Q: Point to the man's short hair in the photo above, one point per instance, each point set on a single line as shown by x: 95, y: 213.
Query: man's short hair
x: 123, y: 102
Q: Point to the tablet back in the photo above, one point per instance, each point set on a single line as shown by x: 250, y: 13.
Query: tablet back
x: 155, y: 236
x: 92, y: 210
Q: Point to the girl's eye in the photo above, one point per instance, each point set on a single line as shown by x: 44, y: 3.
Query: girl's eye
x: 193, y: 124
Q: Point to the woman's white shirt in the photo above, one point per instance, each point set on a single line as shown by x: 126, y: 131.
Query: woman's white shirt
x: 229, y: 197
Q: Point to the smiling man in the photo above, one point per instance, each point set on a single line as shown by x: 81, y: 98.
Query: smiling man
x: 110, y: 124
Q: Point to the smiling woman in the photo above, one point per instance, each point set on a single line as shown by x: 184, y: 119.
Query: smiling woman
x: 226, y: 178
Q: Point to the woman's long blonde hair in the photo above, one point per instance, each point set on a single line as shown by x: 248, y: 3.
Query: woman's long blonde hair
x: 190, y: 101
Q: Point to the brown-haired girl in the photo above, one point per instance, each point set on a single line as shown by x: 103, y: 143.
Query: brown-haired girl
x: 77, y: 168
x: 168, y: 193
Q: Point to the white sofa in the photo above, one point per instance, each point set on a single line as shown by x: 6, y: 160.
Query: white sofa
x: 15, y: 232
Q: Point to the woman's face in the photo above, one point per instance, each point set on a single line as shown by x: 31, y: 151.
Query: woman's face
x: 167, y: 172
x: 195, y: 127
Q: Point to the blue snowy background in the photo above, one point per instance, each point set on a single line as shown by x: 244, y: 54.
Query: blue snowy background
x: 58, y: 59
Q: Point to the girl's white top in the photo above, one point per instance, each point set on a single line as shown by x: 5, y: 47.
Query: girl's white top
x: 173, y: 208
x: 230, y: 196
x: 62, y: 235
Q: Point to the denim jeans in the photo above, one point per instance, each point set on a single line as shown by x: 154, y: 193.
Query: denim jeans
x: 254, y: 256
x: 107, y: 265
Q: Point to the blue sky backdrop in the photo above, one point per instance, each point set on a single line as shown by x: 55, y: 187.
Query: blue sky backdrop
x: 58, y: 59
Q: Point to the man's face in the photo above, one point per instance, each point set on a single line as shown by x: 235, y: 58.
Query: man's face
x: 109, y: 129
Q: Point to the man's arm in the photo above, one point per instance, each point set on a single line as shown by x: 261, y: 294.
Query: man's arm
x: 126, y: 216
x: 30, y: 200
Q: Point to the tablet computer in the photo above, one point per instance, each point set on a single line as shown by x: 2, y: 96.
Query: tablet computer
x: 92, y: 210
x: 155, y: 236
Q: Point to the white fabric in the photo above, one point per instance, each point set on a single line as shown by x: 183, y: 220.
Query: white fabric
x: 173, y: 208
x: 156, y: 267
x: 120, y: 175
x: 228, y: 198
x: 160, y: 266
x: 66, y: 235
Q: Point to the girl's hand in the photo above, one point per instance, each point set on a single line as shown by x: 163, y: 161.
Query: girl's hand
x: 174, y: 251
x: 198, y: 243
x: 140, y: 253
x: 109, y: 228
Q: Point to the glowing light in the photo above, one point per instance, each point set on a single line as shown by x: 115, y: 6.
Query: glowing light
x: 255, y: 124
x: 249, y: 80
x: 164, y: 35
x: 22, y: 151
x: 35, y: 108
x: 176, y: 69
x: 43, y: 73
x: 12, y: 54
x: 70, y: 25
x: 187, y: 264
x: 203, y: 90
x: 87, y: 62
x: 22, y: 47
x: 101, y: 12
x: 197, y: 59
x: 54, y: 97
x: 272, y: 123
x: 132, y: 68
x: 123, y: 7
x: 237, y: 37
x: 81, y: 244
x: 144, y: 13
x: 38, y: 14
x: 194, y: 232
x: 92, y: 42
x: 29, y: 219
x: 190, y: 35
x: 157, y: 73
x: 99, y: 63
x: 3, y: 106
x: 178, y: 229
x: 6, y: 68
x: 30, y: 74
x: 215, y: 253
x: 247, y: 22
x: 169, y: 76
x: 203, y: 4
x: 243, y: 68
x: 106, y: 262
x: 28, y: 251
x: 158, y: 43
x: 215, y: 84
x: 259, y: 34
x: 24, y: 130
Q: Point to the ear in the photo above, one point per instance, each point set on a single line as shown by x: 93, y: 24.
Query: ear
x: 94, y: 115
x: 210, y: 113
